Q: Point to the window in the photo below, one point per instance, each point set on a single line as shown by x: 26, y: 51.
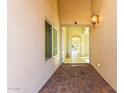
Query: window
x: 48, y: 40
x: 54, y: 42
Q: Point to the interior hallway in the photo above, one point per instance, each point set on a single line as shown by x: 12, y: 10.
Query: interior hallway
x: 75, y: 44
x: 76, y: 78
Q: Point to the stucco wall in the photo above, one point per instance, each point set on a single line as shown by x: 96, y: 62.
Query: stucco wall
x: 103, y: 41
x: 27, y: 69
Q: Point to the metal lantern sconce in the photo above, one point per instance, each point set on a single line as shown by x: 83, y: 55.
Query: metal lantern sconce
x: 95, y: 20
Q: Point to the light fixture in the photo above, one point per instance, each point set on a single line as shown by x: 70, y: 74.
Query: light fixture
x: 95, y: 20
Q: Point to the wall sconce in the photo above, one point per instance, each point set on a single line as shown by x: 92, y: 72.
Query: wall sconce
x: 95, y: 20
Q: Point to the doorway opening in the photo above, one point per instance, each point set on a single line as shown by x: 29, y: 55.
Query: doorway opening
x: 75, y: 44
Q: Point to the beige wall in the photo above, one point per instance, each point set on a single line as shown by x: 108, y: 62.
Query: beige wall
x: 75, y: 10
x: 103, y: 41
x: 27, y: 69
x: 86, y: 41
x: 64, y: 42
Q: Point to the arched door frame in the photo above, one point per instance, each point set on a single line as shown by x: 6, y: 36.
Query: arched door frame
x: 80, y: 41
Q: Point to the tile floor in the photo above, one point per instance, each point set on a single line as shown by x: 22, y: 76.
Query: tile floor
x: 76, y: 78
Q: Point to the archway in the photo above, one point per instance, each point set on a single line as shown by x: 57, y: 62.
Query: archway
x: 76, y: 46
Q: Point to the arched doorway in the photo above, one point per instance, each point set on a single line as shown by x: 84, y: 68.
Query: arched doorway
x: 76, y: 46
